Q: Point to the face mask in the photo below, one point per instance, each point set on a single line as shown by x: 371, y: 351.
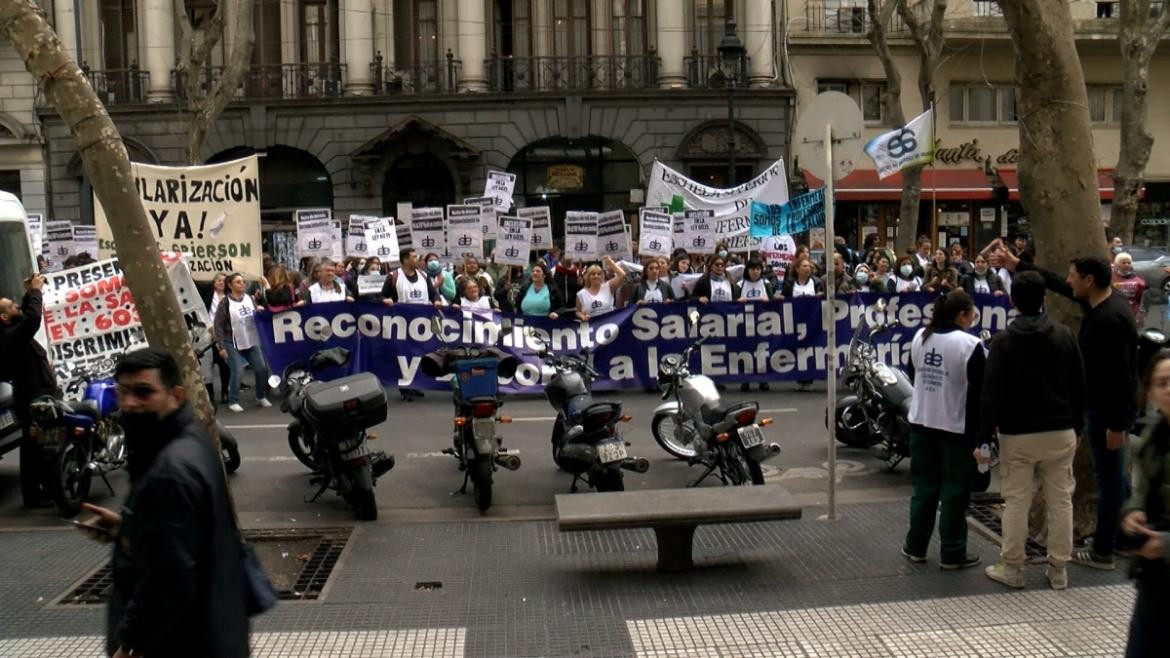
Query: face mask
x: 907, y: 270
x: 140, y: 424
x: 862, y: 278
x: 1125, y: 273
x: 723, y: 254
x: 433, y: 267
x: 1116, y: 250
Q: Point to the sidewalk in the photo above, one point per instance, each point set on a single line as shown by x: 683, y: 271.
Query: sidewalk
x: 797, y: 588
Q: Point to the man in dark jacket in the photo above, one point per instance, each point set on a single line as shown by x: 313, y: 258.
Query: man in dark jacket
x: 178, y: 572
x: 1108, y: 344
x: 26, y: 365
x: 1034, y: 396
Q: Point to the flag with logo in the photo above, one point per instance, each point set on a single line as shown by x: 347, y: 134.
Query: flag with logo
x: 912, y: 144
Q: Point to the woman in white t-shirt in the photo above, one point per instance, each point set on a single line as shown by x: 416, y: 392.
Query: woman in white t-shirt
x: 904, y: 279
x: 237, y: 341
x: 218, y: 293
x: 597, y: 295
x: 473, y: 300
x: 328, y: 288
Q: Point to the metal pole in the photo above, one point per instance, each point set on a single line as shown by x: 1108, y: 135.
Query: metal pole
x: 830, y: 323
x: 730, y: 132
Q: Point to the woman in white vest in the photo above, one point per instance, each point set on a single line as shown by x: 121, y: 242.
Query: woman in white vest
x: 946, y: 365
x: 473, y: 300
x: 237, y: 341
x: 597, y: 296
x: 905, y: 279
x: 328, y: 288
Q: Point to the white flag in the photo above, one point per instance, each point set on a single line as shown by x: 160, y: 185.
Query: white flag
x: 912, y: 144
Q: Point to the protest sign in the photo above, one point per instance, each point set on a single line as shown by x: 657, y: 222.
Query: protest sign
x: 655, y: 235
x: 402, y: 228
x: 355, y: 237
x: 581, y: 235
x: 90, y: 317
x: 698, y: 232
x: 370, y: 284
x: 336, y: 243
x: 36, y: 232
x: 59, y: 240
x: 541, y: 217
x: 464, y: 231
x: 382, y: 239
x: 612, y: 239
x: 314, y: 233
x: 802, y: 213
x: 500, y: 185
x: 85, y: 240
x: 210, y: 212
x: 515, y: 241
x: 426, y: 231
x: 777, y: 253
x: 487, y: 214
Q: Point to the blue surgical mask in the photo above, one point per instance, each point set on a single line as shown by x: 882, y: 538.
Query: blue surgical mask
x: 862, y: 278
x: 907, y: 270
x: 433, y: 267
x: 1116, y: 250
x: 723, y: 254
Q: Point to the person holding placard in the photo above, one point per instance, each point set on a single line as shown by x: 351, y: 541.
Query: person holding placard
x: 539, y: 298
x: 597, y: 297
x: 372, y: 267
x: 237, y: 340
x: 328, y: 288
x: 472, y: 272
x: 682, y: 281
x: 715, y: 285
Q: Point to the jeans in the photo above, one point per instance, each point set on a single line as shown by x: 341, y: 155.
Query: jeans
x: 941, y: 465
x: 1021, y: 457
x: 1112, y: 485
x: 236, y: 359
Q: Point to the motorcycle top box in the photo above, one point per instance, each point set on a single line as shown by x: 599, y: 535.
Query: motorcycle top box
x: 477, y: 378
x: 348, y: 404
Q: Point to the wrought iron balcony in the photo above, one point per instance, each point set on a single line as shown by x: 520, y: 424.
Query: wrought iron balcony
x: 421, y: 78
x: 706, y: 72
x: 119, y: 86
x: 276, y: 81
x: 597, y: 72
x: 844, y: 17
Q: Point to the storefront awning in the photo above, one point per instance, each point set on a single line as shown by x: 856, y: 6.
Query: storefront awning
x: 1011, y: 181
x: 943, y: 184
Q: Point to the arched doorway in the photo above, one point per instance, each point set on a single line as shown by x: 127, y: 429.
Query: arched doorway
x: 591, y: 173
x: 705, y: 154
x: 420, y: 178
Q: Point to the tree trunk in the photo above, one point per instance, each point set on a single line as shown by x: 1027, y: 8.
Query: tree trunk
x: 107, y: 166
x: 205, y: 108
x: 1058, y: 176
x: 911, y: 202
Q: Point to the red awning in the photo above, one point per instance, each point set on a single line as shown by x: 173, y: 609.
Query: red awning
x: 943, y: 184
x: 1011, y: 181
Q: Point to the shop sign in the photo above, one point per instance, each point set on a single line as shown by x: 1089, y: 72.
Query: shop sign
x: 973, y: 152
x: 565, y: 177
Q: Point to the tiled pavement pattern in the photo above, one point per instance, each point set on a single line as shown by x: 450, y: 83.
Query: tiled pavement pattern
x: 524, y: 589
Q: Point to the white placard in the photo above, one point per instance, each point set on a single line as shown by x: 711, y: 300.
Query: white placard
x: 337, y: 243
x: 355, y: 238
x: 499, y: 186
x: 314, y: 233
x: 426, y: 231
x: 514, y: 244
x: 541, y: 217
x: 612, y: 239
x: 699, y: 231
x: 85, y: 240
x: 487, y: 214
x: 655, y: 235
x: 581, y: 235
x: 59, y: 240
x: 382, y: 239
x: 370, y: 284
x: 403, y: 210
x: 36, y: 232
x: 464, y: 231
x: 404, y: 240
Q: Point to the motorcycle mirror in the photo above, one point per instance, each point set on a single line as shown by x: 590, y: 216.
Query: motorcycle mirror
x: 985, y: 335
x: 880, y: 305
x: 436, y: 326
x: 694, y: 316
x: 274, y: 381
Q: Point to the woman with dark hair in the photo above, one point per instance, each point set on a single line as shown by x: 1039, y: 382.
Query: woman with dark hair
x: 754, y: 287
x: 904, y: 279
x: 802, y: 283
x: 940, y: 276
x: 539, y: 297
x: 716, y: 286
x: 653, y: 288
x: 982, y: 279
x: 281, y: 294
x: 218, y: 294
x: 509, y: 287
x: 237, y: 341
x: 681, y: 276
x: 371, y: 267
x: 946, y: 366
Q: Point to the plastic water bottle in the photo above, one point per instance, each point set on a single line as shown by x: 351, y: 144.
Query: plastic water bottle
x: 985, y: 455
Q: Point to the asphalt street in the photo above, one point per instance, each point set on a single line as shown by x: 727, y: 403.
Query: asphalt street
x: 271, y: 487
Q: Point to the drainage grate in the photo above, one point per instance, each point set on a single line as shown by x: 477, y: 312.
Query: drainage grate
x: 986, y: 515
x: 308, y: 585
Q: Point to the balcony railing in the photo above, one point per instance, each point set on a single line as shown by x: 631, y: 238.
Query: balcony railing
x: 119, y: 86
x: 706, y: 72
x: 843, y: 17
x: 594, y: 72
x: 422, y: 78
x: 276, y: 81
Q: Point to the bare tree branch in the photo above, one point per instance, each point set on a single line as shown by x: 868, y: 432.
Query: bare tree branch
x: 879, y: 23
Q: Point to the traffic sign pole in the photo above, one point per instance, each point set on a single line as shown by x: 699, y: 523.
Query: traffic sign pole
x: 830, y: 324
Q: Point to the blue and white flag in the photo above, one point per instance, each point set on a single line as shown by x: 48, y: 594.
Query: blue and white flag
x: 912, y: 144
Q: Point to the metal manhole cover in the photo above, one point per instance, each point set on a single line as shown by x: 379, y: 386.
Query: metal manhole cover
x: 986, y: 515
x: 306, y: 581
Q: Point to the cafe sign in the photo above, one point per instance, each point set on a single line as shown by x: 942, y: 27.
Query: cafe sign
x: 565, y: 177
x: 971, y: 151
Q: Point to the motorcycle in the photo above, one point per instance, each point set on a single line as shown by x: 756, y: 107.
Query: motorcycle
x: 875, y: 412
x: 334, y: 416
x: 585, y: 439
x: 475, y: 443
x: 10, y: 433
x: 697, y: 426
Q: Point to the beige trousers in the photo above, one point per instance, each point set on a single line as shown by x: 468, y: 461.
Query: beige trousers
x: 1022, y: 457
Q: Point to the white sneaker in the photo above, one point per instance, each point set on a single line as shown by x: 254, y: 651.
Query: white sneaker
x: 235, y: 406
x: 1057, y: 577
x: 1006, y: 574
x: 264, y: 403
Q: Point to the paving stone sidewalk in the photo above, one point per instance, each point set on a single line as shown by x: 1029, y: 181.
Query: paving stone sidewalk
x: 797, y: 588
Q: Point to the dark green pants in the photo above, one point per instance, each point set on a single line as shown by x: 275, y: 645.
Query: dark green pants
x: 941, y: 465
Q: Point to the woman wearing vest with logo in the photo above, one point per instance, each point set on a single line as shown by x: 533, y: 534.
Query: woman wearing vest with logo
x: 715, y: 286
x: 237, y: 341
x: 473, y: 300
x: 653, y: 288
x: 328, y: 288
x: 802, y: 283
x: 904, y: 281
x: 597, y: 296
x: 946, y: 366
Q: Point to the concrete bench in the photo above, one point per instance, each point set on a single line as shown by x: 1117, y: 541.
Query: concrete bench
x: 674, y: 514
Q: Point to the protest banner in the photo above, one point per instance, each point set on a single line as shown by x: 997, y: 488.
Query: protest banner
x: 541, y: 217
x: 370, y: 284
x: 731, y: 206
x: 59, y: 243
x: 464, y: 231
x: 487, y: 214
x: 698, y: 232
x: 355, y: 237
x: 581, y: 235
x: 382, y: 239
x: 90, y: 317
x: 766, y: 341
x: 427, y: 231
x: 655, y: 233
x: 211, y: 212
x: 514, y: 246
x: 500, y: 185
x: 85, y: 240
x: 36, y: 232
x: 612, y: 239
x: 802, y: 213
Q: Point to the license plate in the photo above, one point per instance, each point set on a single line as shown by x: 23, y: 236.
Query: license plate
x: 611, y: 452
x: 483, y: 428
x: 7, y: 420
x: 751, y: 436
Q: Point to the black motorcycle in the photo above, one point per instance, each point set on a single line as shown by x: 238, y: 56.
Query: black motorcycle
x: 875, y: 413
x: 10, y: 433
x: 330, y: 420
x: 585, y: 439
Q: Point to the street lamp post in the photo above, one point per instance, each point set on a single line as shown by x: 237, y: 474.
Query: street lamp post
x: 731, y: 52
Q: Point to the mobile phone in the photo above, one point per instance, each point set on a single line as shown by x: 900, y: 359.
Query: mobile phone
x: 97, y: 530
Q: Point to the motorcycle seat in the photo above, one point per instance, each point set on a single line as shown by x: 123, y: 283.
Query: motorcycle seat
x: 717, y: 414
x: 87, y: 408
x: 577, y: 406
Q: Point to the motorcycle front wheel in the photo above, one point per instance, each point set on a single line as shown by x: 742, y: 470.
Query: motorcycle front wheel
x: 667, y: 429
x: 69, y: 483
x: 481, y: 482
x: 231, y: 454
x: 302, y: 448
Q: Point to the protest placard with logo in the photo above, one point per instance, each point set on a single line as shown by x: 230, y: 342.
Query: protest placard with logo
x: 655, y: 234
x: 612, y: 239
x: 427, y: 231
x: 487, y: 214
x: 355, y: 236
x: 514, y: 244
x: 210, y: 212
x: 464, y: 231
x: 404, y: 240
x: 541, y: 217
x: 36, y: 232
x: 581, y: 235
x: 699, y: 231
x: 314, y: 233
x: 382, y: 240
x: 500, y: 185
x: 85, y: 240
x: 59, y: 243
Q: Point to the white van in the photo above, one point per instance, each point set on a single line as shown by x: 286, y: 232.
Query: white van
x: 17, y: 260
